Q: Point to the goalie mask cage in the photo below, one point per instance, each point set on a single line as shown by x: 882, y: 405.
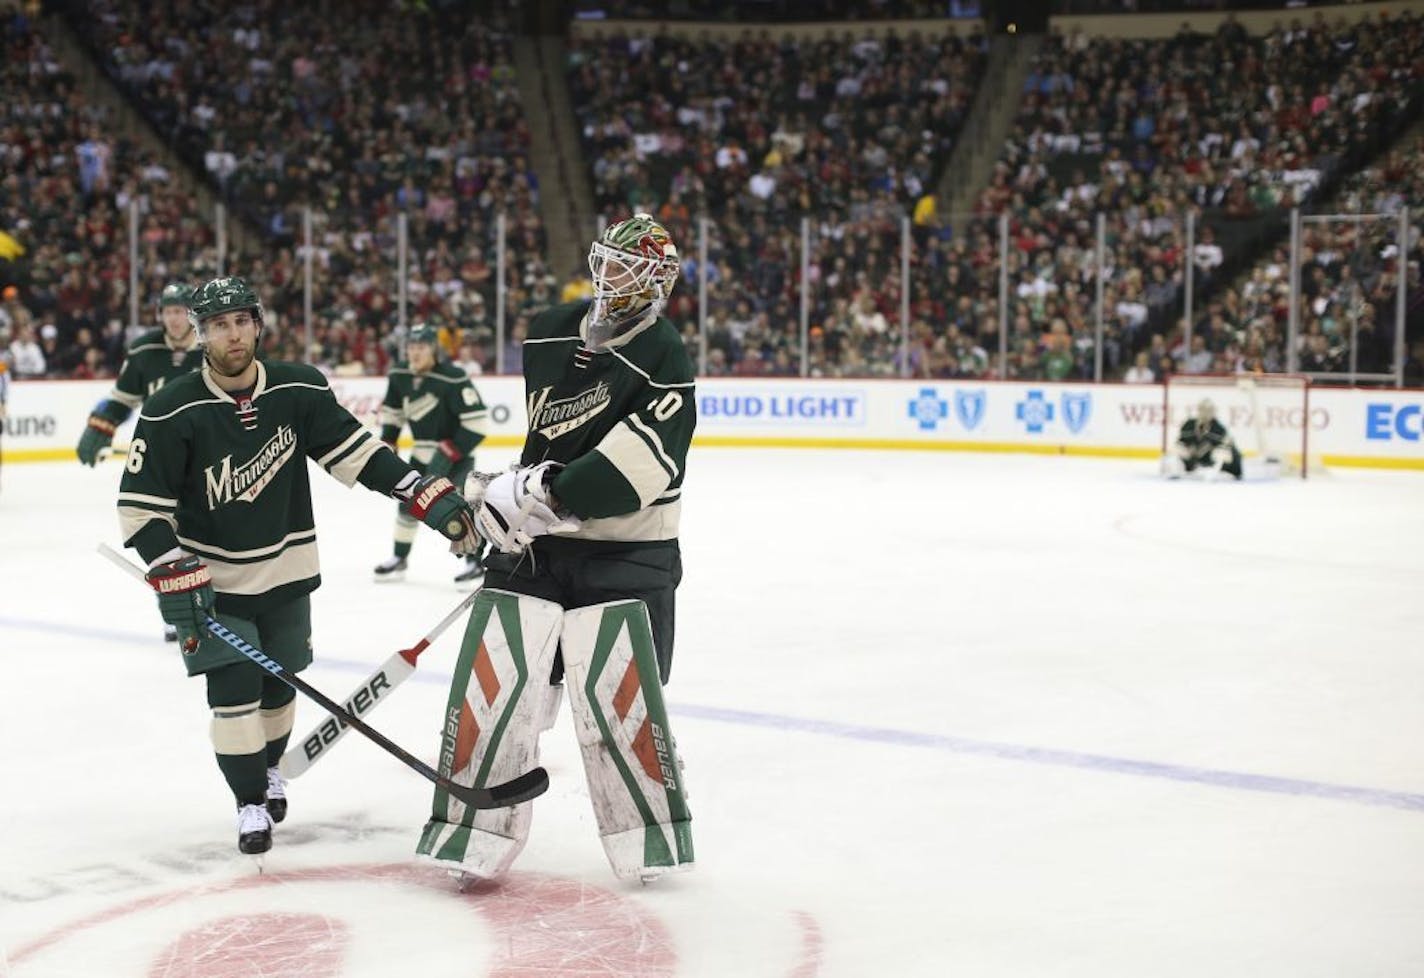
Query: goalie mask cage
x: 1266, y: 414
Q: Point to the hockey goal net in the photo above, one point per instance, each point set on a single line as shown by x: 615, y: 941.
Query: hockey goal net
x: 1266, y: 414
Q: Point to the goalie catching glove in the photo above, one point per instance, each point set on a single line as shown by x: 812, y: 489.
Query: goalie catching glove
x: 518, y: 506
x: 434, y: 501
x: 185, y: 598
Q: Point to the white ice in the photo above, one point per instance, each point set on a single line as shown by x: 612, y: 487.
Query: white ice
x: 942, y: 714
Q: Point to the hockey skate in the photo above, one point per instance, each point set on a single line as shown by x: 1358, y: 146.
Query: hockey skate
x: 391, y: 569
x: 276, y: 795
x: 254, y: 830
x: 467, y: 578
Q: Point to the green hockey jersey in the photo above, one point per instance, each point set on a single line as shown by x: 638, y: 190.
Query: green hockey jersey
x: 1201, y: 439
x: 226, y: 479
x: 620, y: 419
x: 439, y: 405
x: 148, y: 364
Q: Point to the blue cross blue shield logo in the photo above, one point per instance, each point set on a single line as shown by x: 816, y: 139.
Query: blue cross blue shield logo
x: 928, y: 409
x: 1077, y: 408
x: 969, y: 407
x: 1034, y: 411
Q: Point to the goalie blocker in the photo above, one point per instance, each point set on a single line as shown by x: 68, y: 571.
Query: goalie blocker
x: 495, y: 713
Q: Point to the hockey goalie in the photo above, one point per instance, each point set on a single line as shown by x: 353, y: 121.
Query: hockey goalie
x: 1204, y: 449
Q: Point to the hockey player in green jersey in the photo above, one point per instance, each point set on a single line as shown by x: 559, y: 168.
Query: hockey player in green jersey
x: 581, y: 576
x: 447, y: 420
x: 215, y: 498
x: 153, y: 359
x: 1205, y: 447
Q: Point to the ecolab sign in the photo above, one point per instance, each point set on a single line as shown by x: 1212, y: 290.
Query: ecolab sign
x: 1385, y: 422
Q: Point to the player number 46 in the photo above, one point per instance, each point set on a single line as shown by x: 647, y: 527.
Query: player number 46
x: 135, y: 460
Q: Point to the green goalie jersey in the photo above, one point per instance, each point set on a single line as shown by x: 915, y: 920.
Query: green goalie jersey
x: 226, y: 479
x: 621, y: 420
x: 439, y: 405
x: 148, y: 364
x: 1200, y: 438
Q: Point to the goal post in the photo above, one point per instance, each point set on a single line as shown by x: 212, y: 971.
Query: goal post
x: 1267, y: 415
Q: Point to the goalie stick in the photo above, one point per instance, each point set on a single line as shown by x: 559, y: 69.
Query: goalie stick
x: 365, y: 698
x: 527, y: 786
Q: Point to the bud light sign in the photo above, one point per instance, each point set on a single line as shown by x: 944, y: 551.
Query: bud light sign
x: 761, y: 406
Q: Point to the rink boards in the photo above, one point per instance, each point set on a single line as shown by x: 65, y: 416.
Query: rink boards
x: 1354, y: 427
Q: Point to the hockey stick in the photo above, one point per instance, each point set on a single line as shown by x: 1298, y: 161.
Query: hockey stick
x: 373, y: 689
x: 531, y: 784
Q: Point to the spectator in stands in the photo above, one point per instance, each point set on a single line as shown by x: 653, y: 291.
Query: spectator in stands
x: 1141, y: 370
x: 26, y: 358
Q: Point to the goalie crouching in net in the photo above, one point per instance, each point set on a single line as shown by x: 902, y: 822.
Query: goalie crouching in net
x: 1205, y: 447
x: 581, y: 576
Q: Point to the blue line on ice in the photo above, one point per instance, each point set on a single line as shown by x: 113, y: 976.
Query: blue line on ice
x: 1241, y: 781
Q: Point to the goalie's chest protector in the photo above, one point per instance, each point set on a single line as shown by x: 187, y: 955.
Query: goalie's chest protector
x: 575, y: 397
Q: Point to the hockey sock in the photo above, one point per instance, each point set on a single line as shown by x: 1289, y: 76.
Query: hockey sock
x: 246, y: 775
x: 277, y: 727
x: 240, y: 747
x: 406, y: 529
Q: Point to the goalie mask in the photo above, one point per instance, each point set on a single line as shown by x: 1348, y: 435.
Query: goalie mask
x: 1206, y: 411
x: 634, y: 266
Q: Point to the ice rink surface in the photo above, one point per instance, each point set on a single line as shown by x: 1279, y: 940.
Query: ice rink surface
x: 942, y: 714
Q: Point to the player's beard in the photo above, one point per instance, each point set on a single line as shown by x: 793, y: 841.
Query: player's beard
x: 233, y: 361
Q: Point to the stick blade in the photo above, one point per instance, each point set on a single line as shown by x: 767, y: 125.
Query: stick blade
x: 528, y: 786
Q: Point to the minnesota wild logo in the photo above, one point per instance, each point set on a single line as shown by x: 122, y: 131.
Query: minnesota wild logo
x: 552, y: 418
x: 245, y: 481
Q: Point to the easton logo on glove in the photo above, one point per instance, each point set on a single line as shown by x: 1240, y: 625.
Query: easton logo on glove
x: 102, y: 424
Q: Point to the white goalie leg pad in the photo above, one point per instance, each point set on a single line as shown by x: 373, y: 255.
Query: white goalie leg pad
x: 1172, y: 466
x: 237, y: 730
x: 490, y: 732
x: 634, y: 778
x: 277, y: 722
x: 553, y: 699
